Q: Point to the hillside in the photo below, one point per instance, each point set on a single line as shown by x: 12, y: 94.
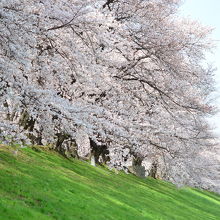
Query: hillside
x: 40, y: 184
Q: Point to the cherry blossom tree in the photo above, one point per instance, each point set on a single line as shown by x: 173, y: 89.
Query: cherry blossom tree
x: 130, y: 74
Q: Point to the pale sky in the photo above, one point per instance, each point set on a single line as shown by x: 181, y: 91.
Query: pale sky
x: 208, y: 13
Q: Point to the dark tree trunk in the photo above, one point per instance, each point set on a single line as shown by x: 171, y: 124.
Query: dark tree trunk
x: 137, y: 168
x: 153, y: 170
x: 99, y: 152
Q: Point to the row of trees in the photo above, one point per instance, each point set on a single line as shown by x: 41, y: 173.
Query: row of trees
x: 128, y: 73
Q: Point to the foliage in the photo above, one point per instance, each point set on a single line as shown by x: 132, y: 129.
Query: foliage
x: 129, y: 73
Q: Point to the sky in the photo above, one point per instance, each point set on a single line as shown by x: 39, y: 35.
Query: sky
x: 208, y: 13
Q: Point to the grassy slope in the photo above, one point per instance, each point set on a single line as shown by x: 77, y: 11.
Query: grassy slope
x: 43, y: 185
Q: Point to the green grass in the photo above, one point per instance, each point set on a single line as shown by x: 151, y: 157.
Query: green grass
x: 44, y: 185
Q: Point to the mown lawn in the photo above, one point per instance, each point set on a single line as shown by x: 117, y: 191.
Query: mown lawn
x: 43, y: 185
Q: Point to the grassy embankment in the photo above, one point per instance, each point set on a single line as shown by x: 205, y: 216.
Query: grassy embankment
x: 43, y: 185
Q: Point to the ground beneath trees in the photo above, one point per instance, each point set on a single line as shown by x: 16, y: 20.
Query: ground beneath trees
x: 40, y: 184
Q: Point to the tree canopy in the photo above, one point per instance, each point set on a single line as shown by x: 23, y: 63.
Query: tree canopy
x: 129, y: 73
